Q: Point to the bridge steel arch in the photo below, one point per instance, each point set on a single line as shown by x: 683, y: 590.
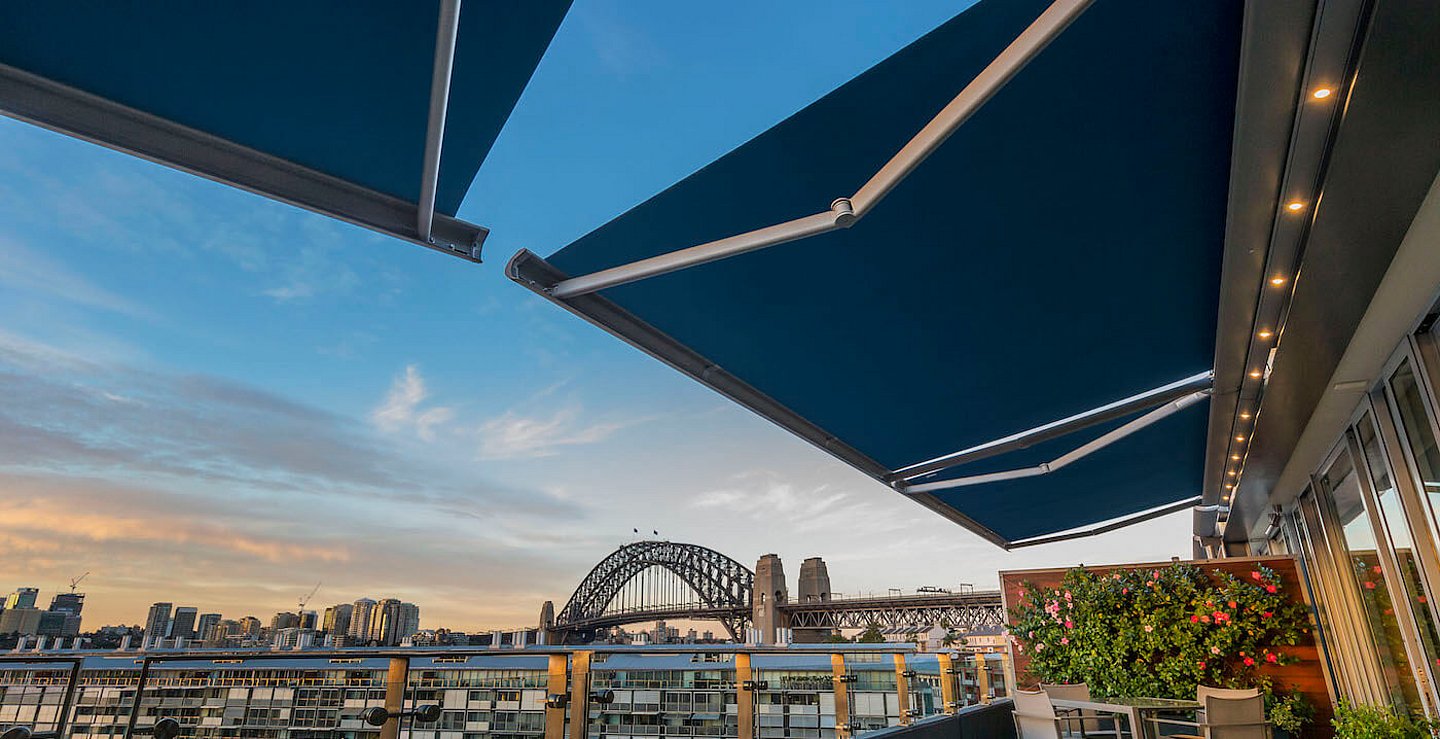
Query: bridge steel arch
x: 723, y: 585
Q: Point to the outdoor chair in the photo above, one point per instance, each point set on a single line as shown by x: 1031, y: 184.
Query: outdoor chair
x: 1035, y: 718
x: 1090, y: 723
x: 1223, y: 718
x: 1204, y: 691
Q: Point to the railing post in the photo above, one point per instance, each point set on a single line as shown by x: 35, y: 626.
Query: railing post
x: 982, y: 678
x: 744, y: 697
x: 902, y: 689
x: 139, y: 691
x: 556, y: 686
x: 948, y: 679
x: 842, y: 697
x: 396, y: 678
x: 68, y: 703
x: 579, y: 694
x: 1008, y: 663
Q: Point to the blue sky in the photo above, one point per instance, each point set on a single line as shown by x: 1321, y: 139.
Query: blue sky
x: 218, y: 400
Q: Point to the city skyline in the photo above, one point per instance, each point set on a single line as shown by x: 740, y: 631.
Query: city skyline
x: 221, y: 400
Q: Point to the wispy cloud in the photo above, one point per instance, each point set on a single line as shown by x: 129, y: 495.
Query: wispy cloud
x: 28, y: 271
x: 773, y: 497
x: 401, y: 409
x: 515, y: 436
x: 66, y: 413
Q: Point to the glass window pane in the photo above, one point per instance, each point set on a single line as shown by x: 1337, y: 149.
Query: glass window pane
x: 1410, y: 405
x: 1375, y: 598
x: 1397, y: 527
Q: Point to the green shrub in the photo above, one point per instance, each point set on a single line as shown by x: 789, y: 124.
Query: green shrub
x: 1371, y: 722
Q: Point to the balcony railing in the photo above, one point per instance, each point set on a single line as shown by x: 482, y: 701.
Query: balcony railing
x: 801, y: 692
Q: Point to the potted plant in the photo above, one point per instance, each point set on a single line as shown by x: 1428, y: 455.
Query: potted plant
x: 1289, y: 713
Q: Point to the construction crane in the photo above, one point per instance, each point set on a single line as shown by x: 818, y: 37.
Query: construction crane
x: 75, y: 581
x: 307, y: 598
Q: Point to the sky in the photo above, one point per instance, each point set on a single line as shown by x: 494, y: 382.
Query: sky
x: 217, y: 400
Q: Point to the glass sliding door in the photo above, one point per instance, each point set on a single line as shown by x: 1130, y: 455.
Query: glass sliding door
x: 1404, y: 555
x: 1362, y: 567
x: 1353, y: 660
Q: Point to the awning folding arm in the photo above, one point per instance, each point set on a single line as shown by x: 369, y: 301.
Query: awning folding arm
x: 1084, y: 450
x: 1198, y: 383
x: 1105, y: 528
x: 845, y: 211
x: 446, y: 33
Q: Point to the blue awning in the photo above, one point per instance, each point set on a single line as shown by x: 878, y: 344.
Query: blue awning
x: 324, y: 105
x: 1058, y: 253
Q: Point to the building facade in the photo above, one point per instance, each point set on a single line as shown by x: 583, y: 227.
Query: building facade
x: 157, y: 621
x: 502, y: 696
x: 22, y: 598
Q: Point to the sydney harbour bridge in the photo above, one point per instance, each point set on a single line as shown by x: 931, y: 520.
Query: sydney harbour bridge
x: 662, y: 580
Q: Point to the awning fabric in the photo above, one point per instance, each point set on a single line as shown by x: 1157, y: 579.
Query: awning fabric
x: 1060, y: 251
x: 342, y: 89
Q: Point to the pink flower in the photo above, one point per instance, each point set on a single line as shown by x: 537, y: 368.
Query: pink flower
x: 1369, y: 585
x: 1069, y: 624
x: 1194, y: 619
x: 1201, y: 665
x: 1124, y: 591
x: 1377, y: 569
x: 1214, y: 650
x: 1067, y: 595
x: 1249, y: 662
x: 1272, y: 658
x: 1064, y: 640
x: 1271, y: 589
x: 1040, y: 647
x: 1154, y: 574
x: 1255, y: 575
x: 1267, y: 614
x: 1149, y: 628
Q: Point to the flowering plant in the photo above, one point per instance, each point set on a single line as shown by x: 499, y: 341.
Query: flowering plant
x: 1159, y: 632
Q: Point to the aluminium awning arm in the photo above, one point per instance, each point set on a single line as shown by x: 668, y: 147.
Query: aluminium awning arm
x: 447, y: 30
x: 1123, y: 407
x: 1080, y: 452
x: 844, y: 211
x: 1106, y: 527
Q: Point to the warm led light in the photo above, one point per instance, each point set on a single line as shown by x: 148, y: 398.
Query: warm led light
x: 1245, y: 416
x: 1256, y: 373
x: 1239, y: 438
x: 1229, y: 486
x: 1295, y: 206
x: 1277, y: 280
x: 1265, y: 333
x: 1235, y: 457
x: 1233, y: 473
x: 1321, y: 93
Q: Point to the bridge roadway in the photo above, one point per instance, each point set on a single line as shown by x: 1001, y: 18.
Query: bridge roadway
x: 964, y: 611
